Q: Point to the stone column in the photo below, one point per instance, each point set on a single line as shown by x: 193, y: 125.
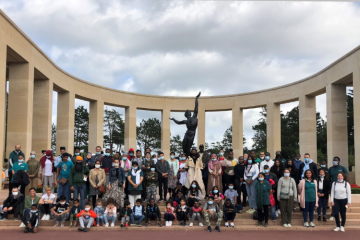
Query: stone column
x: 237, y: 132
x: 307, y: 126
x: 65, y: 122
x: 165, y: 132
x: 336, y: 111
x: 273, y: 128
x: 96, y: 125
x: 20, y: 107
x: 356, y: 85
x: 130, y: 128
x: 3, y: 51
x: 201, y: 128
x: 42, y: 116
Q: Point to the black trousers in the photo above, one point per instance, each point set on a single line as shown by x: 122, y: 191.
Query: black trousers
x: 241, y: 189
x: 169, y: 217
x: 152, y: 216
x: 206, y: 186
x: 16, y: 211
x: 163, y: 186
x: 340, y: 207
x: 263, y: 215
x: 10, y: 184
x: 226, y: 179
x: 94, y: 200
x: 192, y: 201
x: 181, y: 216
x: 45, y: 208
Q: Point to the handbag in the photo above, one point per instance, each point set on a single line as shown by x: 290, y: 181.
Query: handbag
x: 286, y: 196
x: 63, y: 181
x: 255, y: 216
x: 102, y: 189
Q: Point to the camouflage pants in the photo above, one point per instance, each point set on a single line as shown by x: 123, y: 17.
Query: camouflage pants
x: 216, y: 216
x: 150, y: 191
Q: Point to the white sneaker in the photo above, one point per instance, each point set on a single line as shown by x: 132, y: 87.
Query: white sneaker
x: 166, y: 223
x: 170, y: 223
x: 48, y: 217
x: 285, y: 225
x: 191, y: 224
x: 331, y: 218
x: 312, y: 224
x: 226, y: 224
x: 107, y: 224
x: 289, y: 225
x: 306, y: 224
x: 112, y: 224
x: 201, y: 225
x: 342, y: 229
x: 232, y: 224
x: 44, y: 217
x: 336, y: 229
x: 279, y: 212
x: 276, y: 214
x: 22, y: 225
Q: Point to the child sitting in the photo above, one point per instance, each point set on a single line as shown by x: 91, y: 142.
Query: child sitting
x: 125, y: 213
x: 178, y: 188
x: 169, y: 215
x: 178, y: 197
x: 99, y: 210
x: 218, y: 197
x: 137, y: 214
x: 152, y: 213
x: 110, y: 213
x: 86, y: 217
x: 232, y: 195
x: 181, y: 212
x: 229, y: 213
x: 195, y: 212
x: 31, y: 219
x: 73, y: 212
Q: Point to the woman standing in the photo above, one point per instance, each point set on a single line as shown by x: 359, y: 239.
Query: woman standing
x: 250, y: 176
x: 135, y: 179
x: 194, y: 165
x: 214, y: 177
x: 323, y: 193
x: 340, y: 200
x: 117, y: 183
x: 46, y: 171
x: 228, y: 176
x: 263, y: 191
x: 172, y: 178
x: 221, y: 159
x: 308, y: 197
x: 183, y: 172
x: 286, y: 195
x: 96, y: 179
x: 278, y: 169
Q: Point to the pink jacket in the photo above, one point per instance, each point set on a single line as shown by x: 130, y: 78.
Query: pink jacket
x: 301, y: 188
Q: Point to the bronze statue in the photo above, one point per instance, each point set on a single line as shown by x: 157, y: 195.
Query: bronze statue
x: 191, y: 124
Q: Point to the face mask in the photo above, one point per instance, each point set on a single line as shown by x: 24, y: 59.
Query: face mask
x: 15, y: 193
x: 147, y: 159
x: 210, y: 202
x: 216, y: 191
x: 97, y: 166
x: 245, y: 159
x: 116, y: 164
x: 214, y: 159
x: 87, y: 209
x: 62, y: 203
x: 286, y: 174
x: 231, y: 187
x: 267, y: 158
x: 262, y: 158
x: 161, y: 158
x: 221, y: 154
x: 261, y: 179
x: 250, y: 162
x: 48, y: 156
x: 168, y: 206
x: 33, y: 211
x: 124, y: 158
x: 98, y: 153
x: 340, y: 180
x: 32, y: 156
x: 154, y: 159
x: 335, y: 163
x: 323, y: 166
x: 172, y: 156
x: 77, y: 154
x: 209, y: 153
x: 182, y: 158
x: 193, y: 186
x: 131, y: 154
x: 152, y: 169
x: 17, y: 151
x: 307, y: 160
x: 322, y: 176
x: 266, y: 171
x: 20, y: 161
x: 107, y: 154
x: 135, y: 168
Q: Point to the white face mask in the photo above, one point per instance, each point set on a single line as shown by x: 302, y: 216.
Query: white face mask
x: 62, y: 203
x: 116, y: 164
x: 87, y: 209
x: 97, y: 166
x: 168, y: 206
x: 15, y: 193
x: 262, y: 158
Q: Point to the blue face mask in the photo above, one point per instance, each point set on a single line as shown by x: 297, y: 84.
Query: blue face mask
x: 152, y: 169
x: 210, y: 202
x: 214, y: 159
x: 161, y: 158
x: 307, y: 160
x: 172, y: 156
x: 147, y: 158
x: 20, y: 161
x: 221, y: 154
x: 250, y: 162
x: 216, y: 191
x: 266, y: 171
x: 193, y: 185
x: 267, y: 158
x: 33, y: 211
x: 32, y: 156
x: 231, y: 187
x: 124, y: 158
x: 261, y: 179
x: 323, y: 166
x: 98, y: 153
x: 107, y: 154
x: 135, y: 168
x: 131, y: 154
x: 245, y: 159
x: 77, y: 154
x: 182, y: 158
x: 340, y: 180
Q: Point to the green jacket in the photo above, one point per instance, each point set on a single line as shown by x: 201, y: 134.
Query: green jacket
x: 152, y: 179
x: 258, y: 160
x: 13, y: 157
x: 77, y: 178
x: 28, y: 202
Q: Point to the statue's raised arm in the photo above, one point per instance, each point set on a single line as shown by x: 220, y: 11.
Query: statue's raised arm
x: 196, y: 105
x: 178, y: 122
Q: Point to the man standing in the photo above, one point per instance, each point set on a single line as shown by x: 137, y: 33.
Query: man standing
x: 97, y: 155
x: 307, y: 164
x: 76, y: 153
x: 78, y: 177
x: 162, y: 168
x: 63, y: 175
x: 138, y: 158
x: 34, y: 166
x: 253, y: 155
x: 205, y: 172
x: 13, y: 158
x: 278, y: 156
x: 145, y: 167
x: 267, y: 161
x: 58, y: 159
x: 297, y: 161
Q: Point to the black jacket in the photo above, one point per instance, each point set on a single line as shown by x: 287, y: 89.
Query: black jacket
x: 122, y: 212
x: 156, y: 210
x: 226, y: 209
x: 275, y: 179
x: 326, y: 187
x: 312, y: 166
x: 21, y: 178
x: 14, y: 202
x: 239, y: 171
x: 187, y: 211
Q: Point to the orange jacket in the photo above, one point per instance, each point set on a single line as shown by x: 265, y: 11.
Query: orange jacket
x: 92, y: 214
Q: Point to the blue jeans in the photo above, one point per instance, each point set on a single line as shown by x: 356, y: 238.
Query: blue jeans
x: 273, y: 212
x: 251, y: 192
x: 309, y: 208
x: 107, y: 218
x: 98, y: 219
x: 238, y: 207
x: 322, y: 204
x: 64, y: 190
x: 80, y: 189
x: 134, y: 217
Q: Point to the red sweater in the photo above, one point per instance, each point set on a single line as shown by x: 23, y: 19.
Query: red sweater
x: 92, y: 214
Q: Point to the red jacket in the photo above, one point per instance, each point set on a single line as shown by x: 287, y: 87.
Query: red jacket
x: 92, y: 214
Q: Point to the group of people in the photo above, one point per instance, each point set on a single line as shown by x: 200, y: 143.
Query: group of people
x: 124, y: 182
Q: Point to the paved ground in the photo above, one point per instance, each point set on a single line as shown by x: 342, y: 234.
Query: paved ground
x: 177, y: 235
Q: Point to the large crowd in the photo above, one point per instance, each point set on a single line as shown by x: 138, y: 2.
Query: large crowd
x: 202, y: 185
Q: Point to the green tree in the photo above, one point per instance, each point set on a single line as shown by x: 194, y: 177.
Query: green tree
x: 81, y: 128
x: 148, y: 134
x: 176, y: 144
x: 259, y: 138
x: 53, y: 138
x: 114, y: 129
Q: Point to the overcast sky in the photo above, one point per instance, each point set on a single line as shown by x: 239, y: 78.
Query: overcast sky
x: 178, y: 48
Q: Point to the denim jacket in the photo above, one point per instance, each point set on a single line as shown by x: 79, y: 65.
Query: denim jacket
x: 99, y: 210
x: 112, y: 175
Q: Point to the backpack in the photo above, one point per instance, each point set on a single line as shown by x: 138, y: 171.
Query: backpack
x: 255, y: 216
x: 344, y: 184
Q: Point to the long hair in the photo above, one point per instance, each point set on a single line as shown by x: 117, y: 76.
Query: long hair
x: 312, y: 174
x: 197, y: 188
